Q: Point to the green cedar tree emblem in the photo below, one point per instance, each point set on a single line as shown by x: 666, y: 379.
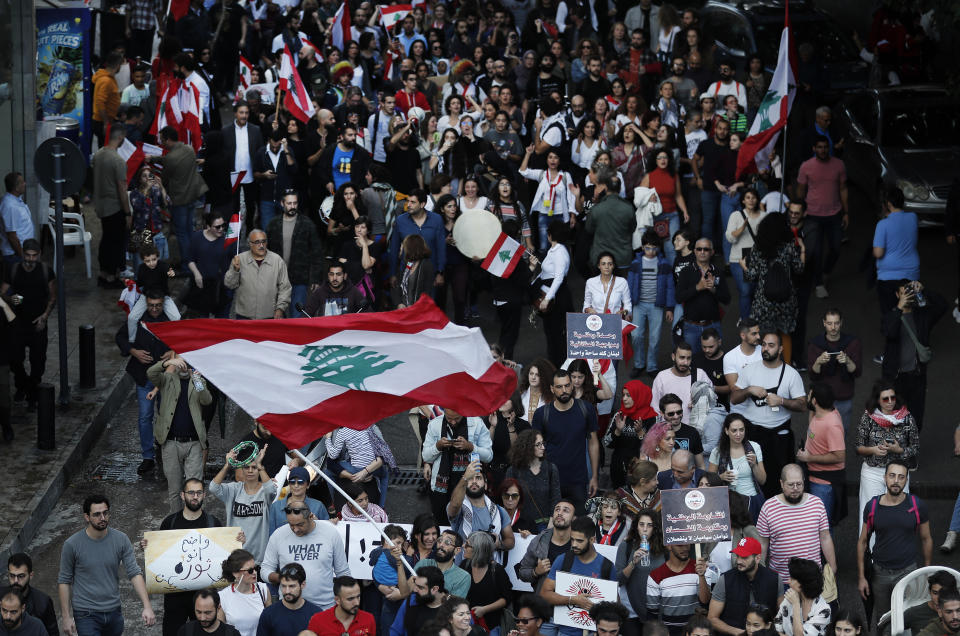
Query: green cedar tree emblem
x: 770, y: 100
x: 344, y: 366
x: 505, y: 255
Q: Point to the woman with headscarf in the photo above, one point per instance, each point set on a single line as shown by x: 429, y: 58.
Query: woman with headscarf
x: 629, y: 424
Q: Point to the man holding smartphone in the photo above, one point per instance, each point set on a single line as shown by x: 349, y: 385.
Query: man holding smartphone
x: 833, y: 357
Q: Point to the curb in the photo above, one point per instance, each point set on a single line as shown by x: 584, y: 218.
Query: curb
x: 47, y: 494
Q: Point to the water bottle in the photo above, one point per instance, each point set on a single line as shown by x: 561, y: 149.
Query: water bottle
x: 197, y: 381
x: 645, y: 545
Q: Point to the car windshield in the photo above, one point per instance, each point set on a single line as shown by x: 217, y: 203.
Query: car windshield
x: 921, y: 123
x: 831, y: 44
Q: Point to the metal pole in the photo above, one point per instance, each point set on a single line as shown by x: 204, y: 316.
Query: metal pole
x: 46, y: 418
x: 58, y: 180
x: 88, y: 357
x: 783, y: 164
x: 376, y: 525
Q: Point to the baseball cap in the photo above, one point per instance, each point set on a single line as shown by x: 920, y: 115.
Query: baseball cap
x: 747, y: 546
x: 301, y: 473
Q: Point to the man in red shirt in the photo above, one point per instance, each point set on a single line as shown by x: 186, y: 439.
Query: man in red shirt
x: 409, y: 96
x: 345, y: 618
x: 823, y: 183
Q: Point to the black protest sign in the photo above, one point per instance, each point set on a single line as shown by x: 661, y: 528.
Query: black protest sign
x: 594, y: 336
x: 695, y: 515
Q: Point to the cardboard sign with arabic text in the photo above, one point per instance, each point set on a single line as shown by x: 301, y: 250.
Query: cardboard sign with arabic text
x: 187, y: 560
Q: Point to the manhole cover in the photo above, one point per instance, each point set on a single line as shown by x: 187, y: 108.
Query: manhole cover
x: 122, y: 468
x: 408, y: 477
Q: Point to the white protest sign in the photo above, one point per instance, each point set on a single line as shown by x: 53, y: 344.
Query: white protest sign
x: 360, y: 538
x: 596, y: 590
x: 514, y: 557
x: 185, y: 560
x: 609, y: 551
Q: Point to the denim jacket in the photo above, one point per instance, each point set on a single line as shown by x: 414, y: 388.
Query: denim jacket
x: 665, y: 290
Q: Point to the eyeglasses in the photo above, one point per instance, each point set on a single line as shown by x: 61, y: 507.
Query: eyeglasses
x: 703, y: 249
x: 511, y: 495
x: 193, y: 493
x: 297, y: 482
x: 260, y: 242
x: 540, y: 445
x: 524, y: 621
x: 219, y: 226
x: 673, y: 413
x: 100, y: 515
x: 295, y: 511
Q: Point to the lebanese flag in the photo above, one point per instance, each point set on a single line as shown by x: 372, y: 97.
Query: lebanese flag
x: 236, y: 178
x: 340, y: 30
x: 232, y: 235
x: 393, y: 14
x: 132, y: 154
x: 304, y: 377
x: 295, y: 97
x: 316, y: 50
x: 190, y: 124
x: 774, y: 109
x: 168, y: 105
x: 246, y: 73
x: 503, y: 257
x: 388, y: 64
x: 178, y: 8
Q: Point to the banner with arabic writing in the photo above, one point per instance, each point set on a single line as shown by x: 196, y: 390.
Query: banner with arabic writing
x: 695, y: 515
x: 186, y: 560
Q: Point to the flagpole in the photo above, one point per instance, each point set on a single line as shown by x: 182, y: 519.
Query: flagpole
x: 783, y: 164
x: 355, y: 505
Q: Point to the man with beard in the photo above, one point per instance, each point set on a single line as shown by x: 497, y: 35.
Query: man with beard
x: 547, y: 546
x: 294, y: 237
x: 582, y: 559
x: 422, y: 605
x: 178, y: 606
x: 834, y: 357
x: 895, y: 519
x: 676, y: 589
x: 677, y: 379
x: 746, y: 352
x: 712, y: 164
x: 447, y: 446
x: 727, y: 85
x: 768, y: 391
x: 345, y: 618
x: 948, y: 608
x: 338, y: 296
x: 206, y: 606
x: 455, y: 580
x: 638, y: 62
x: 179, y: 427
x: 578, y: 108
x: 824, y: 452
x: 747, y: 583
x: 596, y: 84
x: 685, y: 88
x: 16, y: 620
x: 794, y: 524
x: 35, y: 602
x: 571, y: 436
x: 545, y: 82
x: 89, y: 567
x: 483, y: 514
x: 316, y: 546
x: 292, y: 614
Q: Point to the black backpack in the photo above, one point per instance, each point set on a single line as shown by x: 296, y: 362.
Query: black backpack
x: 777, y: 286
x: 605, y: 569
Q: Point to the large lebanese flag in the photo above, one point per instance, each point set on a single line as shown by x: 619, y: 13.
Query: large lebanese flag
x: 296, y: 98
x: 774, y: 109
x: 304, y: 377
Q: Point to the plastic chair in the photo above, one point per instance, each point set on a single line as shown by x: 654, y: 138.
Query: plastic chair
x: 911, y: 590
x: 74, y: 233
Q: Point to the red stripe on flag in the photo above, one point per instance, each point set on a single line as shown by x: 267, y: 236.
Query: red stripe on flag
x: 512, y: 265
x: 492, y: 254
x: 358, y: 410
x: 184, y: 336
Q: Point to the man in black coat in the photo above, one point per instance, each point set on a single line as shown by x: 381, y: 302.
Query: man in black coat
x: 145, y: 350
x: 747, y: 583
x: 241, y: 158
x: 35, y: 602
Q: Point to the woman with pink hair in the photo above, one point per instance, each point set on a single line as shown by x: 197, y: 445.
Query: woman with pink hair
x: 658, y: 444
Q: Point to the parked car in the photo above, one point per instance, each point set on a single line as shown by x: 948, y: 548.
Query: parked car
x: 742, y: 29
x: 904, y: 135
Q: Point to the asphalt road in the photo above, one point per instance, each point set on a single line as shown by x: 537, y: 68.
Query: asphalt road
x: 138, y: 503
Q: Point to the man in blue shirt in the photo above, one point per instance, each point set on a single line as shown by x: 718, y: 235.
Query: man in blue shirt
x: 292, y: 614
x: 429, y: 225
x: 895, y: 248
x: 569, y: 428
x: 16, y: 221
x: 409, y: 34
x: 586, y: 561
x: 345, y: 161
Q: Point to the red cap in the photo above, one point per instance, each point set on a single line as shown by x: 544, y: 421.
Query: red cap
x: 748, y: 546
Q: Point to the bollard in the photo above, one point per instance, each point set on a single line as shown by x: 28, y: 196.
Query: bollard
x: 88, y: 357
x: 46, y: 417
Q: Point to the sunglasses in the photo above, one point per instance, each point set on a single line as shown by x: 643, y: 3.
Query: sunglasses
x: 524, y: 621
x: 249, y: 570
x: 673, y: 413
x: 295, y: 511
x: 290, y: 572
x: 702, y: 249
x: 888, y: 398
x: 297, y: 482
x: 511, y: 495
x: 219, y: 226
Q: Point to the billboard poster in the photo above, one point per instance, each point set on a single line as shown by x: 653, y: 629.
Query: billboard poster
x: 63, y: 68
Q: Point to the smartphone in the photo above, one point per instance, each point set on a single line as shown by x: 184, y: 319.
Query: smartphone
x: 889, y: 441
x: 834, y: 353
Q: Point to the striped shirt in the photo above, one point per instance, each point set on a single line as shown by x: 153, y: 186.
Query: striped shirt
x: 359, y: 450
x: 673, y: 595
x: 793, y: 531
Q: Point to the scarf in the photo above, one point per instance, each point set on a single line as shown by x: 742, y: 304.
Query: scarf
x: 606, y: 538
x: 466, y: 512
x: 896, y: 418
x: 381, y: 450
x: 641, y: 394
x: 451, y: 459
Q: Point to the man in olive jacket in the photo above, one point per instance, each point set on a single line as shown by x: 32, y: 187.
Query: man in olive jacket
x: 611, y: 221
x: 184, y: 186
x: 294, y: 237
x: 179, y: 427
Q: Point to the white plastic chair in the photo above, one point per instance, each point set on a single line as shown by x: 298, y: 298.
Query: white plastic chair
x: 74, y: 233
x: 911, y: 590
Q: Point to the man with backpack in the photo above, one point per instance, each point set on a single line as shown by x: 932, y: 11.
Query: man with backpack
x: 583, y: 560
x: 895, y: 518
x: 569, y: 428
